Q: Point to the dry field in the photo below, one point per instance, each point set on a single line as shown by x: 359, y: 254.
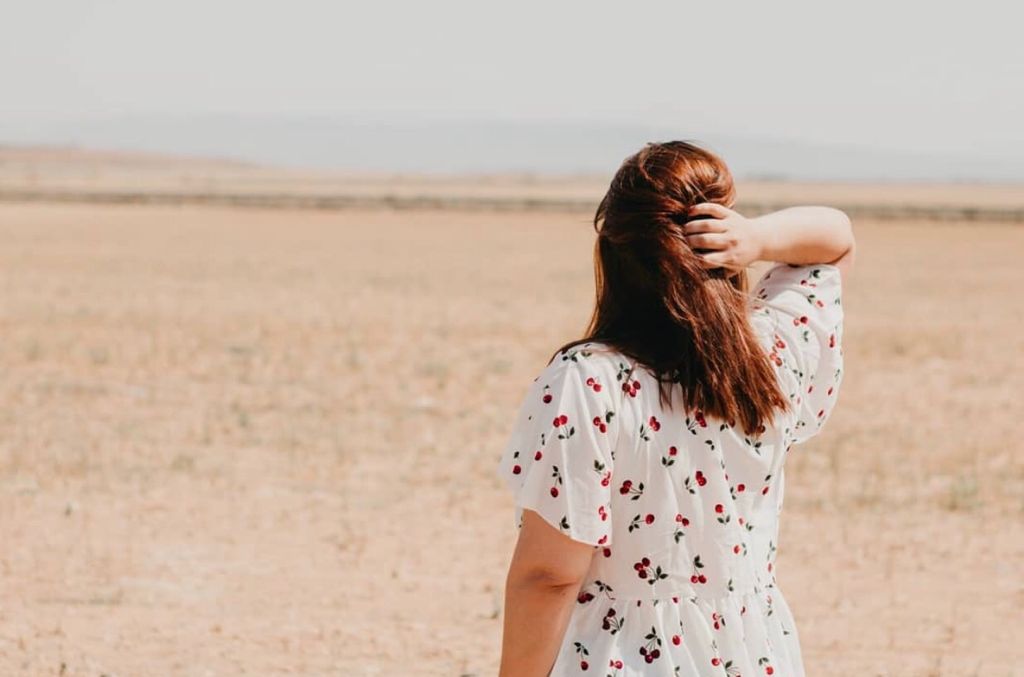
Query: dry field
x: 261, y: 442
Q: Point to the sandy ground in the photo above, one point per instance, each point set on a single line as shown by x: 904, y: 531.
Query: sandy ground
x: 261, y: 442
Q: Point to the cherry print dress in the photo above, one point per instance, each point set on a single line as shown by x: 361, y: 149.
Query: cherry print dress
x: 682, y: 510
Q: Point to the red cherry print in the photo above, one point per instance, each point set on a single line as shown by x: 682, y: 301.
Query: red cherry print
x: 736, y: 549
x: 719, y: 508
x: 603, y: 428
x: 829, y: 392
x: 819, y: 303
x: 803, y: 319
x: 764, y: 492
x: 740, y: 487
x: 672, y: 451
x: 584, y: 665
x: 607, y: 552
x: 626, y: 485
x: 700, y: 419
x: 769, y: 670
x: 602, y: 540
x: 645, y: 561
x: 554, y: 492
x: 701, y: 480
x: 676, y: 639
x: 649, y: 519
x: 602, y: 512
x: 821, y: 413
x: 655, y: 425
x: 590, y: 381
x: 606, y: 479
x: 702, y: 578
x: 516, y: 469
x: 537, y: 456
x: 715, y: 661
x: 694, y: 579
x: 831, y: 340
x: 547, y: 398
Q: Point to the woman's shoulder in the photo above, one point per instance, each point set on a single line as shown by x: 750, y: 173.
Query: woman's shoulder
x: 796, y: 289
x: 594, y: 355
x: 591, y: 362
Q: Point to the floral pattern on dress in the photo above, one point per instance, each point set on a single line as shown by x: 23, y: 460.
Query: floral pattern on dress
x: 682, y: 509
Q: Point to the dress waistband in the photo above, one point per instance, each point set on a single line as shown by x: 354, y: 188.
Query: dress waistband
x: 678, y: 590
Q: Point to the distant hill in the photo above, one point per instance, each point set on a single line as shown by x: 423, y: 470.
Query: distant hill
x: 64, y: 158
x: 402, y: 144
x: 79, y: 175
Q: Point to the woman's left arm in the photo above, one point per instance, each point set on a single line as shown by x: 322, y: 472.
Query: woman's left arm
x: 543, y: 581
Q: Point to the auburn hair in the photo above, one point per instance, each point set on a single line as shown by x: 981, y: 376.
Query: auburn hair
x: 658, y: 304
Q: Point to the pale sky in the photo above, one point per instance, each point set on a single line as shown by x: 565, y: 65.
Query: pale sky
x: 909, y: 76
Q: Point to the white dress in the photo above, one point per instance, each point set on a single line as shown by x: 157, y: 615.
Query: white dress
x: 682, y: 510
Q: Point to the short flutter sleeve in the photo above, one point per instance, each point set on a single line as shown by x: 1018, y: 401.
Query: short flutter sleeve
x: 804, y: 307
x: 558, y: 458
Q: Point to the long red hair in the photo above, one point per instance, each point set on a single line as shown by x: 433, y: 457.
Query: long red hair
x: 656, y: 303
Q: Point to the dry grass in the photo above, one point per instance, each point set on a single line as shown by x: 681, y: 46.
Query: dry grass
x: 244, y: 442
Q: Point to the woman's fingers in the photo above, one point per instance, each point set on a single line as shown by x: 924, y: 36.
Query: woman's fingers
x: 711, y: 209
x: 707, y: 241
x: 703, y: 226
x: 712, y: 260
x: 718, y: 260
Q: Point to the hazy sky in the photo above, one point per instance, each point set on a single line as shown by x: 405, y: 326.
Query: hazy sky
x: 917, y: 76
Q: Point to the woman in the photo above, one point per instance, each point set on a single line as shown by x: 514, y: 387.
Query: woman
x: 647, y: 458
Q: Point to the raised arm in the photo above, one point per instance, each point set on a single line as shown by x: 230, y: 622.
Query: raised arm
x: 798, y: 235
x: 806, y: 235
